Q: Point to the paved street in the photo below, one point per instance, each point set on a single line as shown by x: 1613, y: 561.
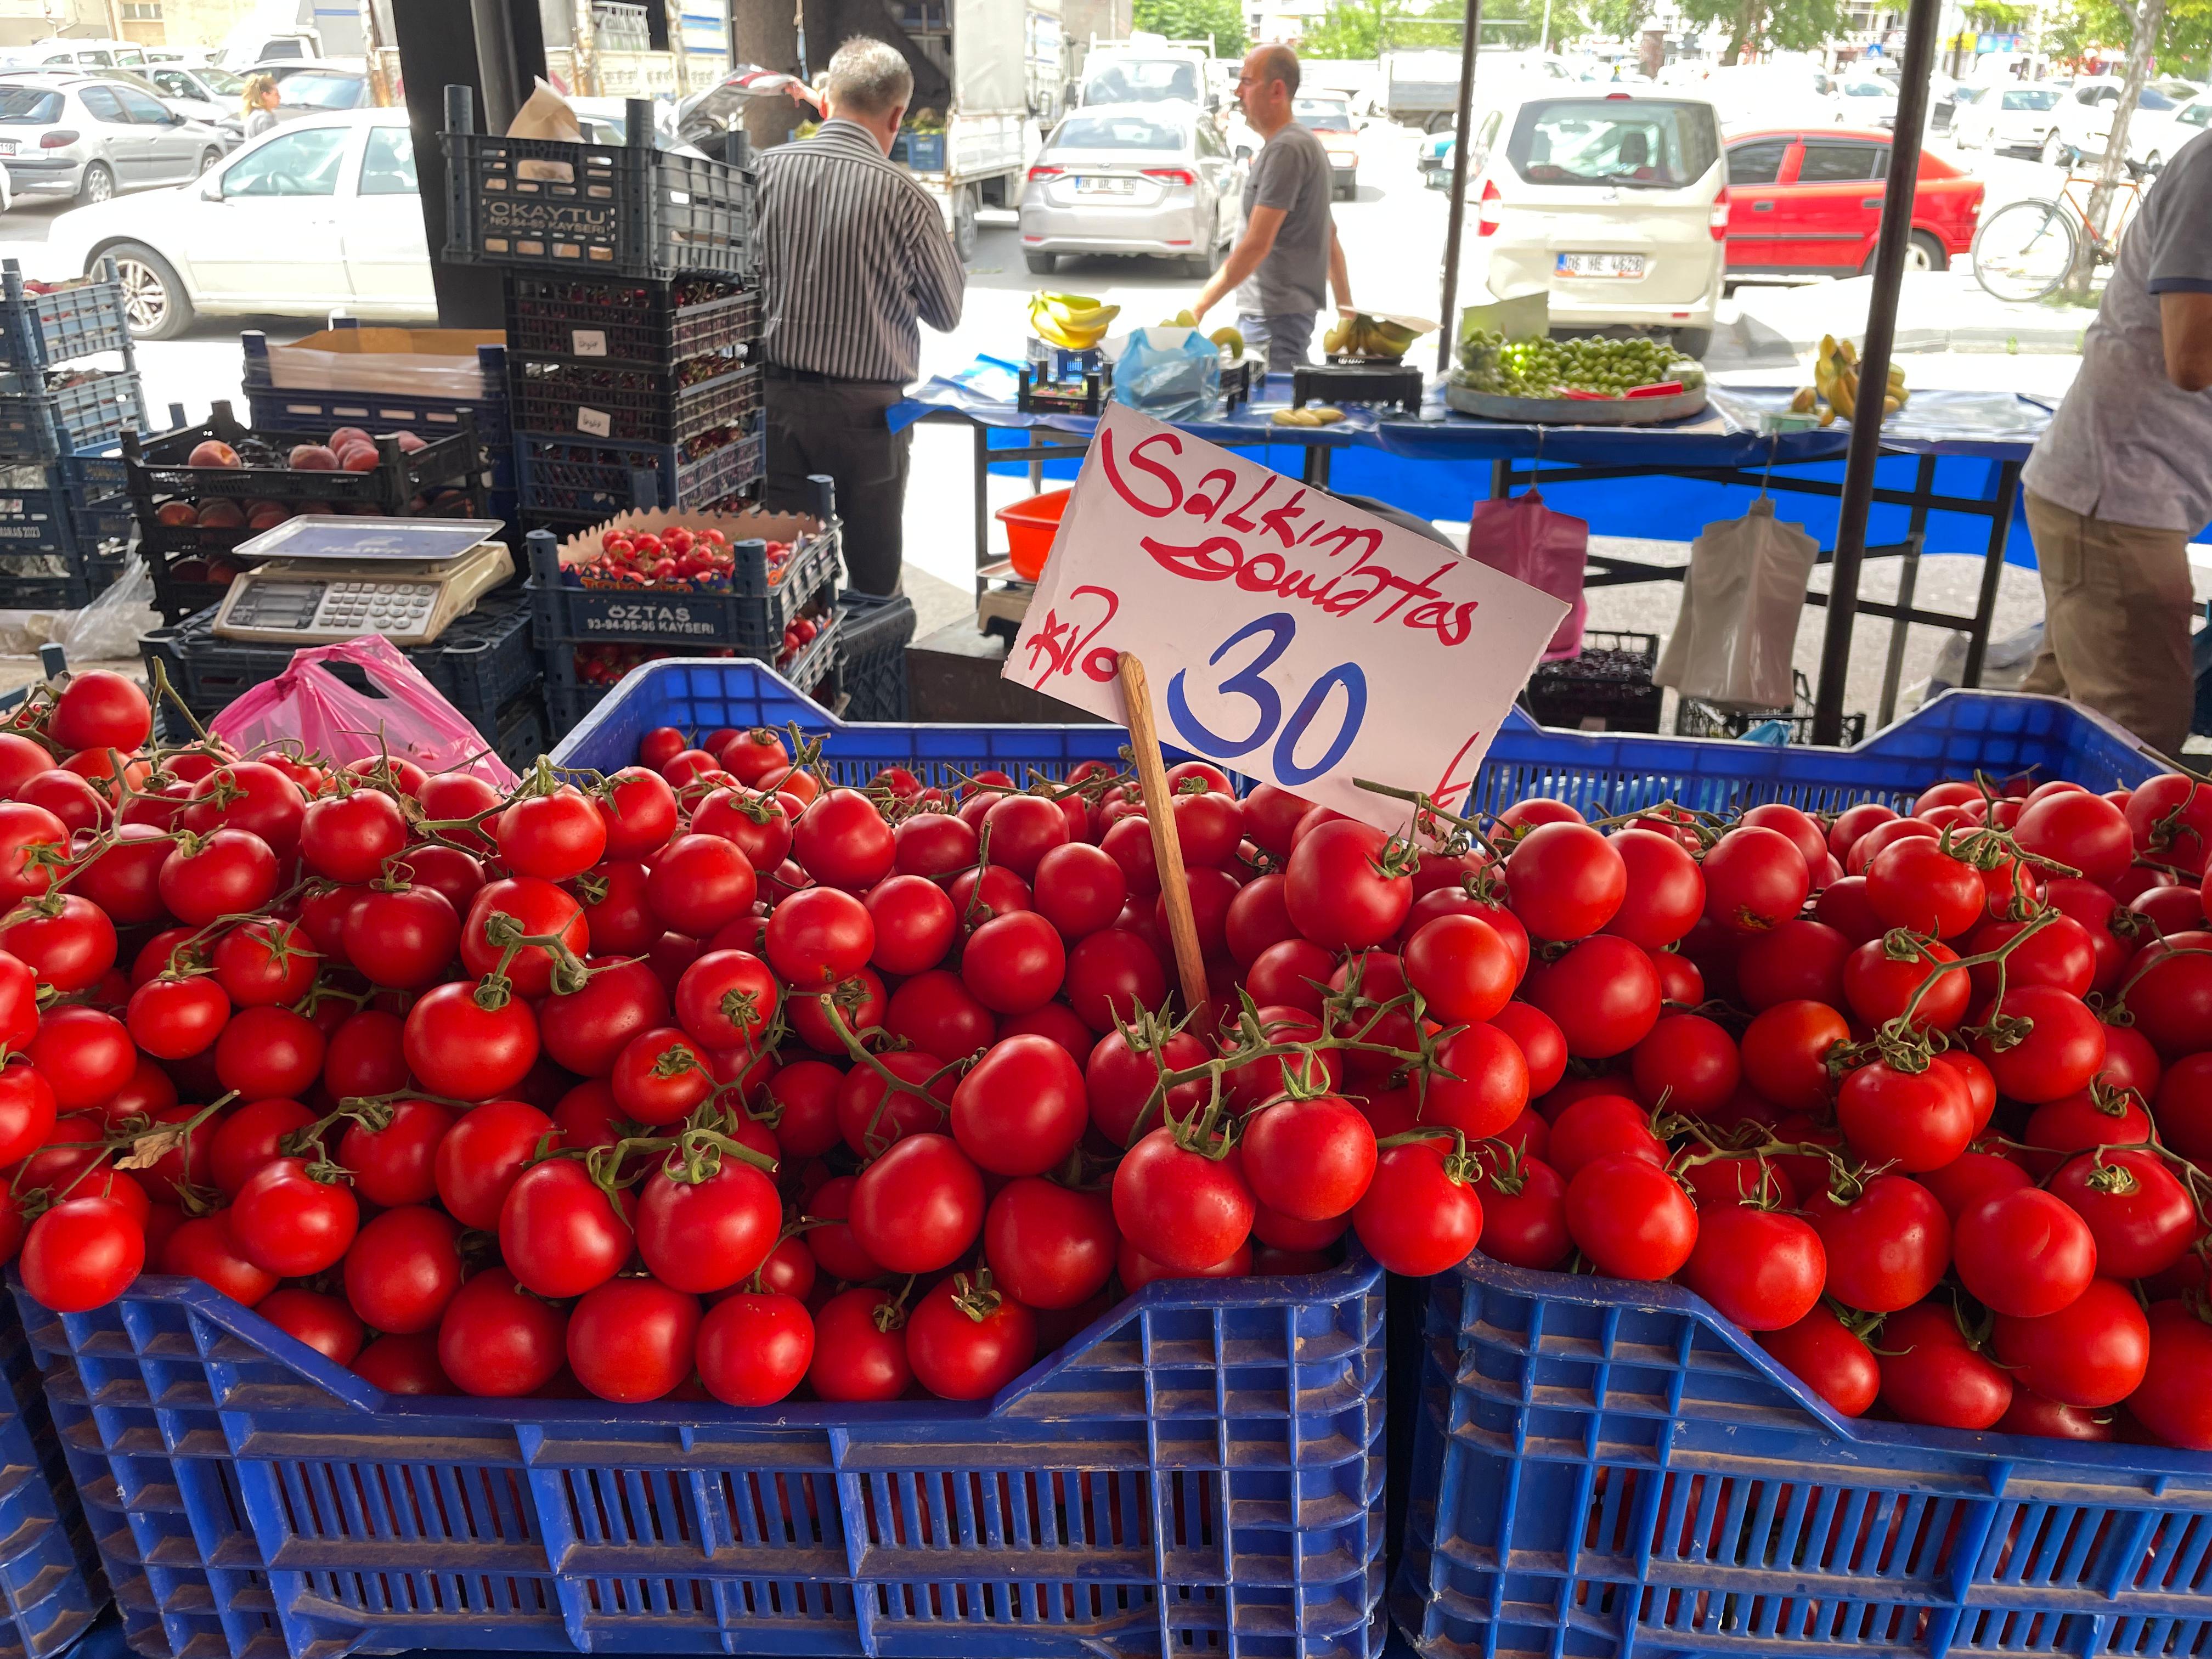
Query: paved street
x: 1394, y: 237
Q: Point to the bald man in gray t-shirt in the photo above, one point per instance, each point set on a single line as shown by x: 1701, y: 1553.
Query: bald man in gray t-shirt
x: 2123, y: 478
x: 1289, y: 243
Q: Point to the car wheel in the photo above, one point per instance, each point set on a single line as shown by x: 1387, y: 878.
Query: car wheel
x: 209, y: 158
x: 965, y: 209
x: 1041, y: 263
x: 1693, y: 342
x: 2051, y: 150
x: 154, y: 298
x: 99, y: 183
x: 2154, y: 163
x: 1351, y: 190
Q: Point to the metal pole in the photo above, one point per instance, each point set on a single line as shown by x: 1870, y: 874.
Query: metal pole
x: 1449, y: 334
x: 1922, y: 23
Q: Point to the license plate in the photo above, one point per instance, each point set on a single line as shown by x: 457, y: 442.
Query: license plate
x: 1601, y: 265
x: 7, y: 146
x: 1105, y: 186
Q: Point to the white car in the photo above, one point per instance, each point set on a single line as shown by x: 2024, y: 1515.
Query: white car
x: 1761, y: 95
x: 1617, y: 204
x: 2005, y: 117
x: 318, y: 214
x: 1867, y: 100
x: 2085, y: 122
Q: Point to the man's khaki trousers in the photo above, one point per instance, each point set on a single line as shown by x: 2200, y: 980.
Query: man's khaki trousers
x: 2116, y: 601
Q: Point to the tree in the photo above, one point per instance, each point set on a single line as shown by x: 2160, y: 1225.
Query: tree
x: 1194, y: 19
x: 1368, y: 28
x: 1771, y: 25
x: 2144, y: 27
x: 1616, y: 19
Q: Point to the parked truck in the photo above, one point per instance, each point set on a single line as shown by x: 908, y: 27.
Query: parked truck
x: 1421, y: 88
x: 965, y: 141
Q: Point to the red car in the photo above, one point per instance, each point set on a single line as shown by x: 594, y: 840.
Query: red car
x: 1809, y: 203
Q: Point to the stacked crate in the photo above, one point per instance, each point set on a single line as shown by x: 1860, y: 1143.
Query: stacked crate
x: 635, y: 390
x: 64, y: 530
x: 632, y: 308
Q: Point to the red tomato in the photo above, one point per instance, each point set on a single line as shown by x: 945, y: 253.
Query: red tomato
x: 1763, y: 1268
x: 1887, y: 1246
x: 1566, y: 881
x: 2024, y: 1253
x: 1021, y: 1109
x: 632, y: 1340
x: 497, y: 1339
x: 753, y: 1350
x: 966, y: 1341
x: 81, y: 1253
x: 1930, y: 1374
x: 1828, y: 1359
x: 1628, y: 1216
x: 919, y: 1206
x: 1341, y: 892
x: 2091, y: 1353
x: 1049, y: 1246
x: 860, y: 1347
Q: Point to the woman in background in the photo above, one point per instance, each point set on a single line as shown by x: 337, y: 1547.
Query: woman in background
x: 260, y: 101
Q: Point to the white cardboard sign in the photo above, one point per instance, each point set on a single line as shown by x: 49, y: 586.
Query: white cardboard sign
x: 1285, y: 634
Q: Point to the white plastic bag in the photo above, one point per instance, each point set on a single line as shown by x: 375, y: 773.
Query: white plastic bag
x: 1736, y: 633
x: 108, y: 629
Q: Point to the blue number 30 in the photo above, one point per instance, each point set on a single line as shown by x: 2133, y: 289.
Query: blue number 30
x: 1250, y: 683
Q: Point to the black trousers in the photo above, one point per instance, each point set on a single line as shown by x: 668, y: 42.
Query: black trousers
x: 841, y: 428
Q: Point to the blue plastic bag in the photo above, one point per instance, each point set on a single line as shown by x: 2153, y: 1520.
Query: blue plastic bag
x: 1168, y: 373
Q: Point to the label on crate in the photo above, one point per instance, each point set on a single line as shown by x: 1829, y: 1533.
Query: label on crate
x: 1285, y: 634
x: 589, y: 341
x: 596, y: 421
x: 648, y: 618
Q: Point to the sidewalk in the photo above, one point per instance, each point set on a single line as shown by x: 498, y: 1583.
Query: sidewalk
x: 1937, y: 311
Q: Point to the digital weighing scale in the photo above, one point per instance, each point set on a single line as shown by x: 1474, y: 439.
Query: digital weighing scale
x: 329, y: 578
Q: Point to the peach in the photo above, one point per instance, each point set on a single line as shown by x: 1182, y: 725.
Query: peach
x: 312, y: 458
x: 225, y: 571
x: 177, y: 512
x: 358, y: 457
x: 268, y: 517
x: 213, y: 454
x: 408, y: 442
x: 351, y: 434
x: 221, y: 515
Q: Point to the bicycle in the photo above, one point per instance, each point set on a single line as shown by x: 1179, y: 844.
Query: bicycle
x: 2024, y: 249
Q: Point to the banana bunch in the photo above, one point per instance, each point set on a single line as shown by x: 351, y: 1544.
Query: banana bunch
x: 1836, y: 384
x: 1362, y: 336
x: 1225, y: 338
x: 1073, y: 322
x: 1318, y: 415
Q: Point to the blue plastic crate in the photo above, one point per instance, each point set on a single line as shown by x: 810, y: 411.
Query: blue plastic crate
x: 1199, y: 1471
x: 51, y: 1587
x: 2000, y: 733
x: 40, y: 329
x: 47, y: 427
x: 1603, y: 1468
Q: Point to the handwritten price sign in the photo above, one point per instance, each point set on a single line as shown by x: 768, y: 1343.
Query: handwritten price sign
x: 1297, y: 639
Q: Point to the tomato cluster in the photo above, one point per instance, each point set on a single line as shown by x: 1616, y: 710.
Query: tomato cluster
x: 674, y: 559
x: 713, y: 1078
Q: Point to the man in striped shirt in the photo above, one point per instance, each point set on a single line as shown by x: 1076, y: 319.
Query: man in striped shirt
x: 853, y: 252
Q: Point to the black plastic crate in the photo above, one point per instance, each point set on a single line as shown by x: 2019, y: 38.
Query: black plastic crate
x: 157, y: 472
x: 74, y: 321
x: 577, y: 482
x: 610, y: 210
x: 1606, y: 689
x: 641, y: 320
x: 1694, y: 718
x: 480, y: 664
x: 750, y: 616
x: 873, y: 633
x: 568, y: 698
x: 65, y: 580
x: 48, y: 426
x: 628, y: 403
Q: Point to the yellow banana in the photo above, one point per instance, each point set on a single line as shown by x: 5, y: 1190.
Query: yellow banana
x: 1295, y: 417
x: 1226, y: 339
x: 1827, y: 345
x: 1844, y: 394
x: 1850, y: 353
x: 1802, y: 402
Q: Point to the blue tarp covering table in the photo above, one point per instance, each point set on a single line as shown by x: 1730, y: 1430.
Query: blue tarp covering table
x: 1439, y: 465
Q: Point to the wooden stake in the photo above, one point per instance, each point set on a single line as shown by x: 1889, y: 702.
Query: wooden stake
x: 1167, y: 846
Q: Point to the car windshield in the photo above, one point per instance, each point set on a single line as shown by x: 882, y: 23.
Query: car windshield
x: 1142, y: 80
x: 1119, y: 132
x: 2038, y: 98
x: 319, y: 91
x: 1645, y: 144
x: 221, y: 82
x: 1869, y: 89
x: 1970, y: 94
x: 1323, y: 114
x: 2154, y: 99
x: 27, y: 106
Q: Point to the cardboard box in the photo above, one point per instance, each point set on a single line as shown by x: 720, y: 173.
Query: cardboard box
x: 398, y: 363
x: 755, y: 525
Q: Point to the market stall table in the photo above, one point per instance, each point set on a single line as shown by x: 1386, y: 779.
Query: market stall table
x: 1952, y: 461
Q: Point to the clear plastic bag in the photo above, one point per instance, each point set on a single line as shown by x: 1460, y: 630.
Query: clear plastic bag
x: 394, y: 711
x: 1522, y: 538
x: 1168, y: 373
x: 1735, y: 636
x: 107, y: 630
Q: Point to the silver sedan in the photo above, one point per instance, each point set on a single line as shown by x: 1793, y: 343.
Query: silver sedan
x: 1140, y: 178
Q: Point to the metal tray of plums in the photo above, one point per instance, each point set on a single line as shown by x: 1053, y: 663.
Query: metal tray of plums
x: 1577, y: 412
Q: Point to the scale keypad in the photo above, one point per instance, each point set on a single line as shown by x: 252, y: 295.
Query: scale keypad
x: 372, y: 607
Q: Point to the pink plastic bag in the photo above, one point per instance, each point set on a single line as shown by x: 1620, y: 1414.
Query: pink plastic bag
x: 1525, y: 539
x: 400, y: 714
